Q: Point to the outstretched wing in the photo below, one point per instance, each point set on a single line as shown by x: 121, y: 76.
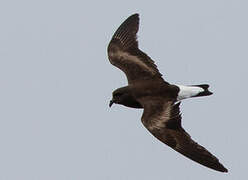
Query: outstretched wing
x: 163, y: 120
x: 123, y: 52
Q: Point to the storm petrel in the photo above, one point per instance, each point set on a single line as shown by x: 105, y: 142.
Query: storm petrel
x: 160, y: 100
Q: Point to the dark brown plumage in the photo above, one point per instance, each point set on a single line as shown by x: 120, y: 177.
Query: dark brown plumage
x: 160, y: 100
x: 124, y: 47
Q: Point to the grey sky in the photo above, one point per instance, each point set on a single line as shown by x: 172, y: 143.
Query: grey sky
x: 56, y: 82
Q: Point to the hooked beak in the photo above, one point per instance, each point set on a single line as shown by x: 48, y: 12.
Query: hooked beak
x: 111, y: 103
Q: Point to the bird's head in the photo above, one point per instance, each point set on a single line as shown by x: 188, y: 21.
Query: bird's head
x: 119, y: 96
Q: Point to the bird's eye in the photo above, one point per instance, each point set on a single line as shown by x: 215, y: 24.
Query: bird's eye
x: 117, y: 94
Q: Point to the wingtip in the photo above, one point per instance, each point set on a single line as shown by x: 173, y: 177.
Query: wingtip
x: 221, y: 168
x: 125, y: 35
x: 135, y: 15
x: 224, y: 170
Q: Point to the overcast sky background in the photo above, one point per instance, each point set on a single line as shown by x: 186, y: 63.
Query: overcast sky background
x: 56, y: 83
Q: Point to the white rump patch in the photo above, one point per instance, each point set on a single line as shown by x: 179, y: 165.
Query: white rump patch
x: 188, y: 91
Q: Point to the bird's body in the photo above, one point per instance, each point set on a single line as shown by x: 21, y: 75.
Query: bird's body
x: 160, y: 100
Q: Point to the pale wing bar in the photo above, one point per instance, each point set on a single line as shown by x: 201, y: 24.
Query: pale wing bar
x: 123, y: 52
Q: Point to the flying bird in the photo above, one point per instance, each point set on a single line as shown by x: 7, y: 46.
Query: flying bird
x: 160, y: 100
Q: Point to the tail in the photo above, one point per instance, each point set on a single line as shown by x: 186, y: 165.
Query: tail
x: 205, y: 91
x: 193, y: 91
